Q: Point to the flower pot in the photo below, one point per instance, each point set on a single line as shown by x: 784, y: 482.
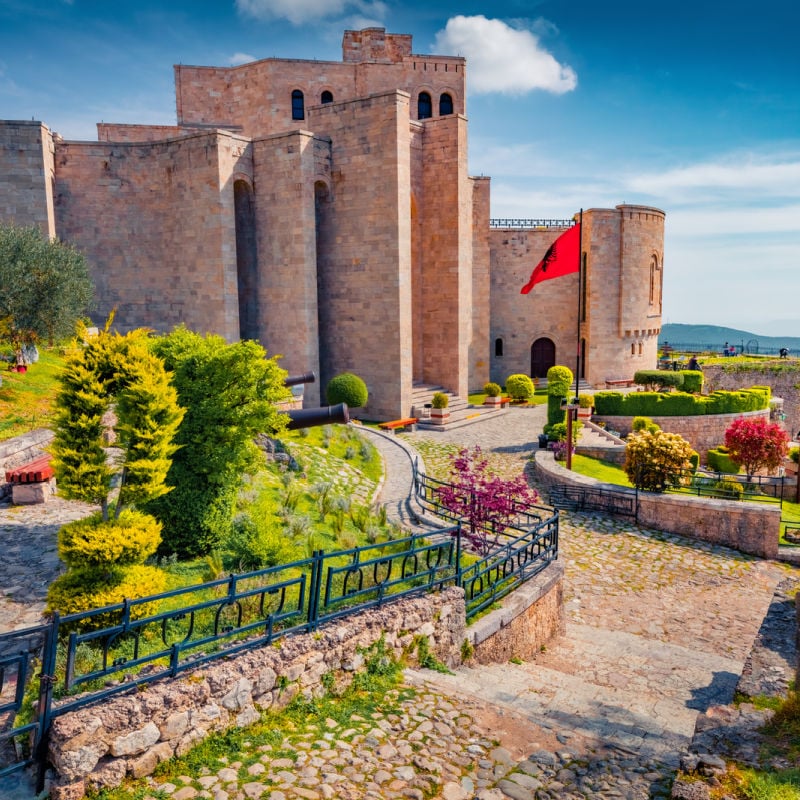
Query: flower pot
x: 493, y: 401
x: 440, y: 415
x: 585, y: 413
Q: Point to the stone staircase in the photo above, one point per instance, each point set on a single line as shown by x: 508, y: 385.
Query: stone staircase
x: 461, y: 412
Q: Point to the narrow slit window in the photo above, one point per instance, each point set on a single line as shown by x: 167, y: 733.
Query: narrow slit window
x: 298, y: 105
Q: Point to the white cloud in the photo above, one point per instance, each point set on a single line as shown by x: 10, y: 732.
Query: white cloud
x: 302, y: 11
x: 503, y: 59
x: 240, y: 58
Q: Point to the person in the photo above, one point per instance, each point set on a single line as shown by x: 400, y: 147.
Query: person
x: 784, y: 352
x: 693, y: 363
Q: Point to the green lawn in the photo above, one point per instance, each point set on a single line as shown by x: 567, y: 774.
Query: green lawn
x: 26, y: 397
x: 604, y: 471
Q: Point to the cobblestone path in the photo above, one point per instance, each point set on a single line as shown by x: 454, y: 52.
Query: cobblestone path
x: 658, y: 628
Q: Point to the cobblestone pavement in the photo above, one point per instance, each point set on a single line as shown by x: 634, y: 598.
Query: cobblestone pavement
x: 658, y: 630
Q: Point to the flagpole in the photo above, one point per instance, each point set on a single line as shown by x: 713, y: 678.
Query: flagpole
x: 580, y: 279
x: 572, y: 402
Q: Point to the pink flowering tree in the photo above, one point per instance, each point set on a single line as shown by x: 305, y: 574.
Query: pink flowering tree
x: 755, y: 444
x: 486, y: 503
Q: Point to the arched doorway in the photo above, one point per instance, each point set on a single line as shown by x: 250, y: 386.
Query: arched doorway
x: 543, y: 356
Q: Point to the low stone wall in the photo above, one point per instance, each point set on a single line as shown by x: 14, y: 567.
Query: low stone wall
x: 703, y: 431
x: 130, y: 735
x: 530, y: 617
x: 752, y: 528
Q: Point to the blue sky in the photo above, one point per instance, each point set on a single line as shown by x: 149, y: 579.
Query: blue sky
x: 692, y: 107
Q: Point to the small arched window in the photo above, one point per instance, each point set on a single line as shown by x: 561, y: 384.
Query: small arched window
x: 298, y: 105
x: 498, y: 347
x: 633, y: 348
x: 445, y: 105
x: 424, y: 106
x: 326, y: 97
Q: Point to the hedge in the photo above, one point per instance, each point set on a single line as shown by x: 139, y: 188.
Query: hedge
x: 680, y: 404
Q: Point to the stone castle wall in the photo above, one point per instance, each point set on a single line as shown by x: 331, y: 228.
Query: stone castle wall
x: 256, y: 98
x: 166, y: 254
x: 27, y: 173
x: 480, y: 342
x: 622, y: 324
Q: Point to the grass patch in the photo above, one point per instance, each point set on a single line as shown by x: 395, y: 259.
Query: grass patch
x: 604, y: 471
x: 26, y: 398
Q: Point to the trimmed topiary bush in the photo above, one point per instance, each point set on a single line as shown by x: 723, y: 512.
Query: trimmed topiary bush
x: 728, y: 489
x: 643, y: 424
x: 653, y: 379
x: 720, y: 461
x: 520, y: 387
x: 559, y: 379
x: 347, y: 388
x: 692, y: 381
x: 492, y: 389
x: 440, y: 400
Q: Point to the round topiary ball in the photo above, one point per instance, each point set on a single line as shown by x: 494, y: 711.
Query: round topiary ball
x: 347, y: 388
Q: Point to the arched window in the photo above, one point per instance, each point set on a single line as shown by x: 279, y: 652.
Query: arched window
x: 298, y: 105
x: 633, y: 348
x: 445, y: 105
x: 498, y: 347
x: 424, y: 106
x: 327, y: 97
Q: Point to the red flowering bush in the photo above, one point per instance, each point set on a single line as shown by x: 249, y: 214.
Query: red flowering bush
x: 485, y: 502
x: 755, y: 444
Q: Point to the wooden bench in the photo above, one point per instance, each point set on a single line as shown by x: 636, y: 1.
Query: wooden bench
x: 30, y: 482
x: 397, y: 424
x: 619, y: 382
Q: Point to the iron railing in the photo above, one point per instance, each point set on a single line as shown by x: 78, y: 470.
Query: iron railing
x: 530, y: 224
x: 590, y: 498
x: 756, y: 488
x: 91, y: 656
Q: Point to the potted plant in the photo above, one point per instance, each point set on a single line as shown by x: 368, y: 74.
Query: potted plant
x: 585, y: 406
x: 439, y: 405
x: 493, y: 392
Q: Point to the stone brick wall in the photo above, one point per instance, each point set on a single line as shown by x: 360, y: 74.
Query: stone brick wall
x: 167, y: 252
x: 622, y: 324
x: 703, y: 431
x: 752, y: 528
x: 20, y: 450
x: 26, y: 174
x: 784, y: 380
x: 481, y: 345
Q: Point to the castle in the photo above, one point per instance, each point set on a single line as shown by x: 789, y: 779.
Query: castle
x: 325, y: 209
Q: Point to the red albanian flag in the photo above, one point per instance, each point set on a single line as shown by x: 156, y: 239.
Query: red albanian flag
x: 561, y: 258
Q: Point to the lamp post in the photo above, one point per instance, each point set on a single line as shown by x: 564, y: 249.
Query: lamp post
x: 572, y: 409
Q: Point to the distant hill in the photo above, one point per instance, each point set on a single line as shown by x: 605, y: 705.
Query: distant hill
x: 714, y: 337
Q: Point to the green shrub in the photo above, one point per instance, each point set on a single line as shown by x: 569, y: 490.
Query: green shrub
x: 656, y: 460
x: 558, y: 432
x: 692, y: 381
x: 728, y: 489
x: 440, y: 400
x: 520, y: 387
x: 555, y: 413
x: 694, y: 460
x: 794, y: 454
x: 492, y: 389
x: 585, y: 401
x: 93, y: 542
x: 85, y: 589
x: 559, y: 379
x: 719, y: 460
x: 643, y: 424
x: 347, y: 388
x: 609, y: 404
x: 658, y: 378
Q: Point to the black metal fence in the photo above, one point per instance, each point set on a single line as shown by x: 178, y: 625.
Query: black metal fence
x: 87, y: 657
x: 589, y: 498
x: 730, y: 486
x: 530, y: 224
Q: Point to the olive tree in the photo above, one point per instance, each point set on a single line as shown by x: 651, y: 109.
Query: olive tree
x: 44, y: 287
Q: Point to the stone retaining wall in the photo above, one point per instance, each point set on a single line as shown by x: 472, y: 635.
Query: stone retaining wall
x: 752, y: 528
x: 130, y: 735
x: 702, y: 431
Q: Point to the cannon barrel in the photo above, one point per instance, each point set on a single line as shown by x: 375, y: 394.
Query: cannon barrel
x: 311, y: 417
x: 294, y: 380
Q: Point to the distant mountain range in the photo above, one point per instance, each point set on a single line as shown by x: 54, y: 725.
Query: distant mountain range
x: 714, y: 337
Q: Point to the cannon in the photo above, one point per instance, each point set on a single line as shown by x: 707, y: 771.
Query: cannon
x: 295, y: 380
x: 311, y: 417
